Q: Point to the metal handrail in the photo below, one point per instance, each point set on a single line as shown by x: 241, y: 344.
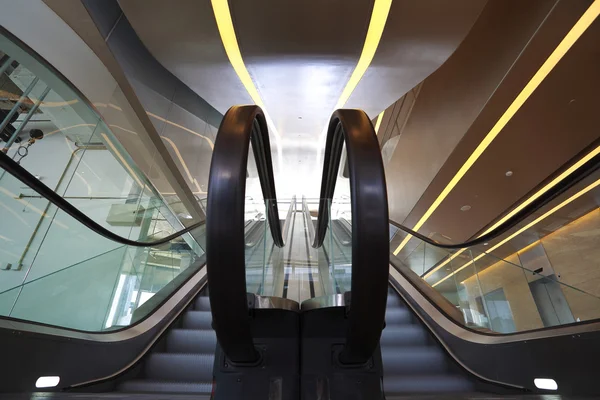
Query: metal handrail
x: 28, y: 179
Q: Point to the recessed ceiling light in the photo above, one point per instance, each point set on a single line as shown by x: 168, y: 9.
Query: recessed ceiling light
x: 508, y: 173
x: 465, y: 208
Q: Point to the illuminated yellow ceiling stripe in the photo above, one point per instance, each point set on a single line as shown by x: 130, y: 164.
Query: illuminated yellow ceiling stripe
x: 378, y: 123
x: 535, y: 196
x: 580, y: 26
x: 225, y: 25
x: 523, y: 229
x: 549, y: 186
x: 381, y: 9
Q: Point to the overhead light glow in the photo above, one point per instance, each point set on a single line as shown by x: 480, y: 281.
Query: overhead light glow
x: 523, y: 229
x: 47, y: 381
x: 381, y: 9
x: 545, y: 383
x: 578, y: 29
x: 378, y: 123
x: 230, y: 43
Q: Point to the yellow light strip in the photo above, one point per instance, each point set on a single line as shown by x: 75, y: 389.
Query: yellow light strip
x: 230, y: 43
x: 523, y: 229
x: 452, y: 257
x: 232, y: 48
x: 378, y: 122
x: 543, y: 190
x: 580, y: 26
x: 381, y: 9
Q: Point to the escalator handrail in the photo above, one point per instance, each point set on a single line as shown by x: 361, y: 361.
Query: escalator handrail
x: 20, y: 173
x: 585, y: 170
x: 225, y: 253
x: 370, y: 233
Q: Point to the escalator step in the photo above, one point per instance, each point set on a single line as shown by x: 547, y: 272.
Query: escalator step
x: 403, y: 335
x: 197, y: 320
x: 393, y: 300
x: 398, y: 316
x: 180, y: 367
x: 413, y: 360
x: 425, y: 384
x: 148, y: 386
x: 191, y: 341
x: 202, y: 303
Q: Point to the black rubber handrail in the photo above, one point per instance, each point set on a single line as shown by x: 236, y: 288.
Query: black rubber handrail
x: 370, y: 229
x: 34, y: 183
x: 225, y: 225
x: 585, y: 170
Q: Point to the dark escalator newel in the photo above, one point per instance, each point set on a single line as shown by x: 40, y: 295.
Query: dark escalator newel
x: 340, y: 347
x: 257, y: 354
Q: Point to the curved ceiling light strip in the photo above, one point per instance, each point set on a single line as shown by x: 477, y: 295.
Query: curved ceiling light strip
x: 379, y: 16
x: 378, y: 122
x: 563, y: 47
x: 232, y: 48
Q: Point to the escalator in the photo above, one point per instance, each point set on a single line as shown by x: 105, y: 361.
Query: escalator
x: 412, y: 360
x: 303, y: 307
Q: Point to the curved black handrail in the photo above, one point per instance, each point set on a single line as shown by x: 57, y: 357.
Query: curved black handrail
x: 585, y: 170
x: 225, y: 225
x: 28, y: 179
x: 370, y: 229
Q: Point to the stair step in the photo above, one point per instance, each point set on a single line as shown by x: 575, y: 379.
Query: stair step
x: 151, y: 386
x: 191, y: 341
x: 202, y: 303
x: 393, y: 300
x: 398, y: 316
x: 197, y: 320
x: 393, y: 385
x: 413, y: 360
x: 180, y: 367
x: 403, y: 335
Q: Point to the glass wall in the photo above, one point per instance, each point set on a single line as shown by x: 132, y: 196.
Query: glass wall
x: 542, y: 273
x: 49, y: 263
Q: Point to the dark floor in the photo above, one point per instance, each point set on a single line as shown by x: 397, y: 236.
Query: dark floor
x: 164, y: 396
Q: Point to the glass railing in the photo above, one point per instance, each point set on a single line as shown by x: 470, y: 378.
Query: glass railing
x: 55, y: 135
x: 541, y: 273
x: 64, y: 274
x: 53, y: 269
